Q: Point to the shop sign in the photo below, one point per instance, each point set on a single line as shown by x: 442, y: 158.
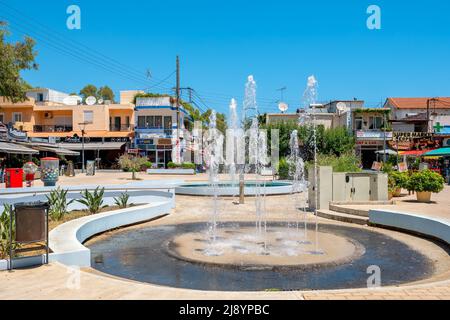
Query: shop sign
x: 373, y: 134
x: 403, y: 167
x: 15, y: 134
x: 369, y: 142
x: 377, y: 166
x: 165, y: 141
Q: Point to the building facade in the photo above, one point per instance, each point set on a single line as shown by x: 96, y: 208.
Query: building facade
x: 156, y: 127
x: 44, y: 119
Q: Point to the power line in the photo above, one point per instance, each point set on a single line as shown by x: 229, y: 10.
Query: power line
x: 78, y: 53
x: 62, y: 38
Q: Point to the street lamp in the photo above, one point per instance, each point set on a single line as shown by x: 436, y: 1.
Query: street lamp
x: 83, y: 132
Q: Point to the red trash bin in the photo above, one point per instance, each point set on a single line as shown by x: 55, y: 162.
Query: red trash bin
x: 14, y: 178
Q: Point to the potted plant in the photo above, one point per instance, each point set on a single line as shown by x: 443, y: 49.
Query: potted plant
x: 400, y: 180
x: 391, y: 187
x: 424, y: 183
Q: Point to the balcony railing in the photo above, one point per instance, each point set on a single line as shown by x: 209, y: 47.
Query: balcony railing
x: 54, y: 128
x: 121, y: 128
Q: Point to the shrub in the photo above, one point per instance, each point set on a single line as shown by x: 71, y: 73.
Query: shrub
x: 173, y: 165
x: 122, y: 200
x: 58, y: 204
x: 188, y: 165
x: 426, y: 181
x: 93, y: 200
x: 400, y: 179
x: 283, y: 169
x: 131, y: 164
x: 4, y: 230
x: 347, y: 162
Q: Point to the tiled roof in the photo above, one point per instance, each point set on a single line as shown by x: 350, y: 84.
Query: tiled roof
x: 420, y: 103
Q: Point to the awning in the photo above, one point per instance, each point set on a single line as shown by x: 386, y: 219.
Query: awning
x: 415, y: 153
x: 93, y: 146
x: 60, y: 151
x: 438, y: 152
x: 12, y: 148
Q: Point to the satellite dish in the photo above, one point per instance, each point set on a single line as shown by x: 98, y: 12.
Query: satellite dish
x: 342, y: 107
x: 283, y: 107
x: 90, y: 101
x: 100, y: 101
x: 72, y: 100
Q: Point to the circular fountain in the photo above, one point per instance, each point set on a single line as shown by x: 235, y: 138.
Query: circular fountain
x: 290, y: 253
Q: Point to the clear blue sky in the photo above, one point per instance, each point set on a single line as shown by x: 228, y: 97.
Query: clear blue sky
x: 221, y: 42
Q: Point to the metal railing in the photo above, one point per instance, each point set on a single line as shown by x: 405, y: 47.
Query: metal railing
x: 119, y: 128
x: 53, y: 128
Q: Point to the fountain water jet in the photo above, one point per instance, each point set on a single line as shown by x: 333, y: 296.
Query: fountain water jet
x: 310, y: 98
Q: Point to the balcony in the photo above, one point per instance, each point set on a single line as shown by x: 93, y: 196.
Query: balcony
x: 53, y: 128
x: 121, y: 128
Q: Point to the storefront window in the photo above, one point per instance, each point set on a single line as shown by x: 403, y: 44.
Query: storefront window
x: 150, y: 122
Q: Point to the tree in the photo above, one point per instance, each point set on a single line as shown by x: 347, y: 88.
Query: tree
x: 88, y: 90
x: 106, y: 93
x: 15, y: 57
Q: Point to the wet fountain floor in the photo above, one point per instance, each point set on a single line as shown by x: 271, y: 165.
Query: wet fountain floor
x: 142, y: 255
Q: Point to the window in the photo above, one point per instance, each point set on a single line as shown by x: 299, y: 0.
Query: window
x: 167, y: 122
x: 150, y: 121
x: 17, y: 117
x: 158, y: 122
x: 2, y: 117
x: 375, y: 123
x: 141, y: 121
x: 40, y: 97
x: 358, y: 123
x: 88, y: 116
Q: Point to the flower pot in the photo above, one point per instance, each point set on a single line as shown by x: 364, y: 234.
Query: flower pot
x: 424, y: 196
x: 390, y: 196
x: 397, y: 192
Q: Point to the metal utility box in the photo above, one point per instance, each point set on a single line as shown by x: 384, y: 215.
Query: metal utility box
x: 379, y: 187
x: 324, y: 190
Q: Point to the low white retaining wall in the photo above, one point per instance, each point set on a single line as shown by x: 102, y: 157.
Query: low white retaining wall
x: 66, y: 240
x: 171, y: 171
x: 425, y: 225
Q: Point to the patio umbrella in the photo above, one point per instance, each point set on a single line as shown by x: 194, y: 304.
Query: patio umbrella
x: 387, y: 151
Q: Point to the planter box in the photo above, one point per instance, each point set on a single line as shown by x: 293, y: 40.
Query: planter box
x: 171, y: 171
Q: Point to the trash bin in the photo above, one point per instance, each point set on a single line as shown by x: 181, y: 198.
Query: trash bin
x: 14, y: 178
x: 31, y: 222
x: 49, y: 171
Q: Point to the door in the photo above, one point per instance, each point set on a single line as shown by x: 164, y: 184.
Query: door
x: 361, y: 188
x: 160, y: 158
x: 117, y: 124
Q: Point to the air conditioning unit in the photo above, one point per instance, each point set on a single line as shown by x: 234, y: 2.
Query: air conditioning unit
x: 48, y: 115
x: 446, y: 142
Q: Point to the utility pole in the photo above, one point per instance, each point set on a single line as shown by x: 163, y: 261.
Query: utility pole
x: 428, y: 112
x: 178, y: 110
